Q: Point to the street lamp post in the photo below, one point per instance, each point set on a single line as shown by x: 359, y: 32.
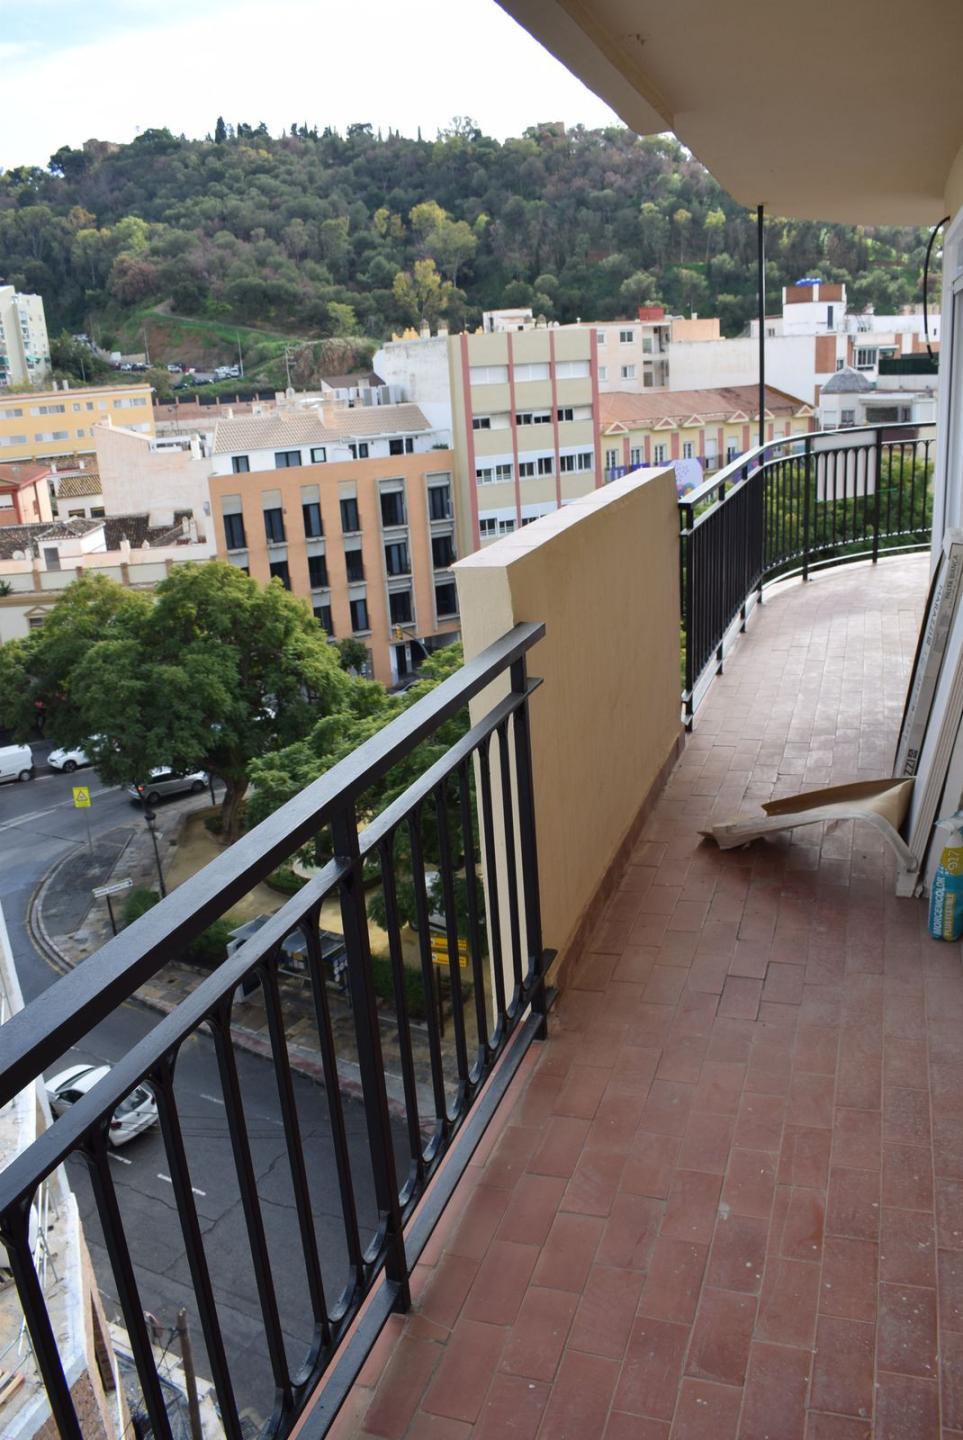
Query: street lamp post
x: 150, y: 817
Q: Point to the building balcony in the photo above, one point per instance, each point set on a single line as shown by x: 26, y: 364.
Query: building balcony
x: 671, y: 1146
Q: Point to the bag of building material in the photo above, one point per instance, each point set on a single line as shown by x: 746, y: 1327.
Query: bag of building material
x: 946, y: 892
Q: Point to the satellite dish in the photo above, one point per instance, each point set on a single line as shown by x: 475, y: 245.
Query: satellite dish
x: 19, y: 555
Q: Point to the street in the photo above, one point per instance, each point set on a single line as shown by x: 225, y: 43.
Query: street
x: 39, y: 825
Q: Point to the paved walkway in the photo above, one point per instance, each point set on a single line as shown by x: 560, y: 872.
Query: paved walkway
x: 726, y: 1198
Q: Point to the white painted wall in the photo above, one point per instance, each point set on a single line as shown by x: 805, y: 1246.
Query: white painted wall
x: 136, y: 477
x: 708, y: 364
x: 420, y: 368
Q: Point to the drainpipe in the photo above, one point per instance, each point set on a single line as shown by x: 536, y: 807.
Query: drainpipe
x: 761, y: 269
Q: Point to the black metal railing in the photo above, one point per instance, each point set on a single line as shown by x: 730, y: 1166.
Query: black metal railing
x: 789, y: 507
x: 472, y: 808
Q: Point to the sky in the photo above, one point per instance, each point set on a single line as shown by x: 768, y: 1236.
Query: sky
x: 111, y: 68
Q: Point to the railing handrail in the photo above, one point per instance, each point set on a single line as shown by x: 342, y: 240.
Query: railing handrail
x: 733, y: 470
x: 39, y: 1034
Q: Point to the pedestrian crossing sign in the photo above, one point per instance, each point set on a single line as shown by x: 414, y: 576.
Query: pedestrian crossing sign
x: 81, y: 797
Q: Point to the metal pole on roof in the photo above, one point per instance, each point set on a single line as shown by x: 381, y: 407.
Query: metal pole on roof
x: 761, y: 276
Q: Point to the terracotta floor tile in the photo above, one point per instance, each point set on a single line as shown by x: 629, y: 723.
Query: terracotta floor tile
x: 536, y: 1340
x: 907, y: 1247
x: 531, y: 1209
x: 465, y: 1372
x: 682, y: 1058
x: 569, y: 1251
x: 951, y: 1380
x: 750, y: 959
x: 635, y: 1427
x: 759, y: 1122
x: 907, y: 1177
x: 721, y: 1336
x: 582, y: 1091
x: 810, y: 1101
x: 513, y: 1407
x: 630, y: 1232
x: 740, y: 998
x: 580, y: 1398
x: 852, y: 1206
x: 719, y: 1088
x: 606, y: 1311
x: 706, y: 1411
x: 950, y: 1282
x: 774, y: 1407
x: 788, y: 1303
x: 707, y: 1142
x: 843, y: 1367
x: 445, y: 1294
x: 749, y: 1184
x: 837, y: 1427
x: 690, y: 1212
x: 481, y: 1218
x: 695, y: 1013
x: 738, y: 1255
x: 673, y: 1280
x: 500, y: 1284
x: 857, y: 1139
x: 784, y: 984
x: 848, y: 1284
x: 401, y: 1387
x: 617, y: 1121
x: 803, y: 1220
x: 664, y: 985
x: 666, y: 1110
x: 511, y: 1154
x: 649, y: 1164
x: 907, y: 1330
x: 907, y: 1408
x: 594, y: 1183
x: 563, y: 1139
x: 804, y: 1157
x: 906, y: 1115
x: 652, y: 1369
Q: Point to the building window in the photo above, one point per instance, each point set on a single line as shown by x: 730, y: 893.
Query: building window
x: 626, y: 337
x: 311, y: 512
x: 279, y: 571
x: 611, y: 459
x: 585, y: 460
x: 488, y: 374
x: 494, y: 474
x: 865, y: 358
x: 400, y: 446
x: 600, y: 336
x: 350, y: 523
x: 646, y: 345
x: 546, y: 465
x: 481, y: 422
x: 439, y: 502
x: 234, y: 532
x: 732, y: 452
x: 505, y: 527
x: 572, y: 370
x: 393, y: 507
x: 687, y: 450
x: 241, y: 464
x: 659, y: 454
x: 847, y: 417
x: 274, y: 526
x: 442, y: 551
x: 603, y: 372
x: 538, y: 370
x: 319, y: 456
x: 55, y: 409
x: 400, y: 607
x: 534, y: 417
x: 359, y: 615
x: 566, y: 413
x: 354, y: 564
x: 446, y: 599
x: 359, y: 451
x: 397, y: 559
x: 322, y: 613
x: 317, y: 572
x: 627, y: 372
x: 287, y: 459
x: 487, y: 528
x: 635, y: 455
x: 840, y: 364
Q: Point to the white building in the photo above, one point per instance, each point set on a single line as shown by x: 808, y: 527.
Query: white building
x: 24, y: 347
x: 851, y: 399
x: 633, y: 355
x: 147, y: 472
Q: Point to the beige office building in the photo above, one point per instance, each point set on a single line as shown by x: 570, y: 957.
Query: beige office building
x: 41, y: 424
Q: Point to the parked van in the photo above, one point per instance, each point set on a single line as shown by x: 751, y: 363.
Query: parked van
x: 16, y: 762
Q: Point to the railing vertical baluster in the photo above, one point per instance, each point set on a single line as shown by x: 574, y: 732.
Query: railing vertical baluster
x: 474, y: 916
x: 878, y: 481
x: 686, y: 561
x: 344, y: 833
x: 807, y: 501
x: 446, y: 865
x: 492, y: 888
x: 408, y: 1080
x: 16, y: 1235
x: 428, y: 980
x: 528, y: 840
x: 511, y: 865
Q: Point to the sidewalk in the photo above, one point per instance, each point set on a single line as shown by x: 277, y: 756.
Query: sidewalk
x: 68, y: 924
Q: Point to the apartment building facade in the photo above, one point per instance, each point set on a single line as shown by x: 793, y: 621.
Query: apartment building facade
x: 24, y: 346
x: 353, y: 510
x: 633, y: 355
x: 710, y: 427
x: 25, y: 494
x: 45, y: 423
x: 523, y: 406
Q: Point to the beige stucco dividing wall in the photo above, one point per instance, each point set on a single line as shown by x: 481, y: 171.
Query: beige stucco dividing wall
x: 603, y: 575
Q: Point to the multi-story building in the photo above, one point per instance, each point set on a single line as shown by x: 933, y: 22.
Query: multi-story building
x: 25, y: 494
x: 164, y: 472
x: 45, y: 423
x: 850, y: 399
x: 351, y: 509
x: 633, y: 355
x: 24, y: 347
x: 711, y: 427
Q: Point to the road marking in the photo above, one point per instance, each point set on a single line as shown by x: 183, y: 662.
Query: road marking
x: 167, y: 1179
x: 64, y: 804
x: 212, y: 1099
x: 121, y: 1159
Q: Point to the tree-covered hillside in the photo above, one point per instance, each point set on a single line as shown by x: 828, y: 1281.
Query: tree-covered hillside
x: 320, y: 234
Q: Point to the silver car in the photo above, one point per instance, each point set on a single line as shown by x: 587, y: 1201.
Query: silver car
x: 166, y: 781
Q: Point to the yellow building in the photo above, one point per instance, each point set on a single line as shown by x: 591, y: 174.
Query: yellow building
x: 40, y: 424
x: 711, y: 426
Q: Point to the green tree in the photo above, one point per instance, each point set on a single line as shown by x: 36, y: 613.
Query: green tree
x: 715, y: 228
x: 421, y: 293
x: 209, y: 672
x: 682, y: 219
x: 220, y: 131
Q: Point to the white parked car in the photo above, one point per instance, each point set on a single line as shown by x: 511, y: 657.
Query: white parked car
x: 68, y: 758
x: 135, y: 1113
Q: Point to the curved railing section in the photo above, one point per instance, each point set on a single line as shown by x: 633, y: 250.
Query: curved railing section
x: 788, y: 507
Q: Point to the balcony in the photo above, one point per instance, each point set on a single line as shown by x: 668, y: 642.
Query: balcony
x: 715, y: 1186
